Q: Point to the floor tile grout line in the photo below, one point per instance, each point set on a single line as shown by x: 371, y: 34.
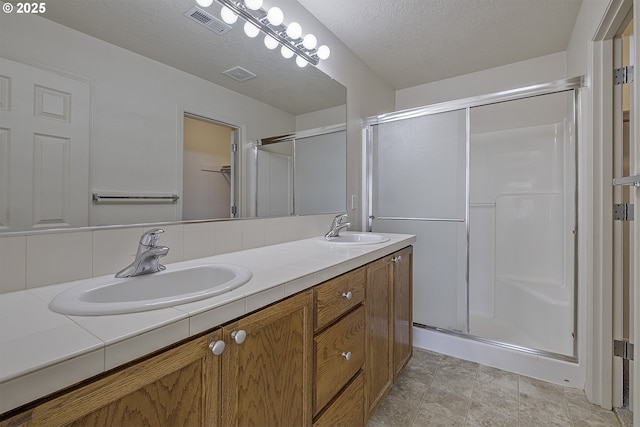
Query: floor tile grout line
x: 518, y: 394
x: 566, y: 402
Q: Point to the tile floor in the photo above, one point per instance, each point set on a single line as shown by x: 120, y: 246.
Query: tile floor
x: 438, y: 390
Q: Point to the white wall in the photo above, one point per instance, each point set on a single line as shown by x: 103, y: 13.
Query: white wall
x: 327, y: 117
x: 524, y: 73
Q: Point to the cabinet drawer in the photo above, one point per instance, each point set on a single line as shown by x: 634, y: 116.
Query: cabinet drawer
x: 347, y: 409
x: 337, y: 296
x: 339, y: 355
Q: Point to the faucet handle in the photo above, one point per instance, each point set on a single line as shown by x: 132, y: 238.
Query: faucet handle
x: 338, y: 219
x: 151, y: 237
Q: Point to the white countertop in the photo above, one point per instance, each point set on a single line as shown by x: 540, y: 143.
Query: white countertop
x: 42, y: 351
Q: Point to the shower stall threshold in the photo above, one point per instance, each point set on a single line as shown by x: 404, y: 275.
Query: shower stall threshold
x: 552, y: 367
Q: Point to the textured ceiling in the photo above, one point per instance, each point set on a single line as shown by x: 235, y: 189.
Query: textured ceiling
x: 412, y: 42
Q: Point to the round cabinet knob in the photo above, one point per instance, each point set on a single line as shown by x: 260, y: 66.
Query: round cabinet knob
x: 347, y: 295
x: 346, y: 355
x: 217, y: 347
x: 238, y: 336
x: 397, y: 258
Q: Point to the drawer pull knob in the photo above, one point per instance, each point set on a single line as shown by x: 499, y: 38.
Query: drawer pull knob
x: 238, y: 336
x: 347, y: 295
x: 217, y: 347
x: 397, y: 258
x: 346, y: 355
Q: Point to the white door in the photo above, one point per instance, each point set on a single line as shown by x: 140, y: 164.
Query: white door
x: 44, y: 148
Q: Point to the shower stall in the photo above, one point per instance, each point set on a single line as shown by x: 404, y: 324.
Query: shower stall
x: 489, y: 187
x: 301, y: 173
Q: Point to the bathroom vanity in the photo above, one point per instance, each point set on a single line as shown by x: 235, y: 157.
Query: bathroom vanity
x: 326, y: 353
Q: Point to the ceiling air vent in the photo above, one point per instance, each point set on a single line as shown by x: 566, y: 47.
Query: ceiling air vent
x: 207, y: 20
x: 239, y: 74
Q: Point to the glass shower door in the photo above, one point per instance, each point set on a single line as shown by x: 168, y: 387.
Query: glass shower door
x: 418, y: 184
x: 522, y: 229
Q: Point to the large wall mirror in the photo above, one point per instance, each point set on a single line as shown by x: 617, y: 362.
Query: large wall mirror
x: 134, y: 111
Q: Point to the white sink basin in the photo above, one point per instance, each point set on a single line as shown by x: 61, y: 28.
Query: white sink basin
x: 173, y: 286
x: 356, y: 239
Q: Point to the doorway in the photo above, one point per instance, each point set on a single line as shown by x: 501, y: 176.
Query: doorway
x: 208, y: 169
x: 623, y: 194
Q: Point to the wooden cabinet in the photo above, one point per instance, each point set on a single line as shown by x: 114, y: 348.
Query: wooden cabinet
x: 378, y: 332
x: 326, y: 356
x: 266, y: 377
x: 389, y: 323
x: 402, y: 308
x: 178, y: 387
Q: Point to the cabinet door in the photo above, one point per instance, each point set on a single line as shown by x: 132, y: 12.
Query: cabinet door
x: 379, y: 330
x: 402, y: 308
x: 267, y: 366
x: 178, y: 387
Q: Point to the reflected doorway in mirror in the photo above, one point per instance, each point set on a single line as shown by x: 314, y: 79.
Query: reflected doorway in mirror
x: 208, y: 169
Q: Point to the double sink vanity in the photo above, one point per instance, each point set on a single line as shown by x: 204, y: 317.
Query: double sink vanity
x: 308, y: 332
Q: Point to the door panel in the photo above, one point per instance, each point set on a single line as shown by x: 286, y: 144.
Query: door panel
x: 44, y: 140
x: 419, y: 187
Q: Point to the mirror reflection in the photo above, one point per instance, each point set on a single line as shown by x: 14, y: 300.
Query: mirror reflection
x: 302, y: 173
x: 109, y: 111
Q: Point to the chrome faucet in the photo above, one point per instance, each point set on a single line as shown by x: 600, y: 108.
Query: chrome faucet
x: 337, y: 225
x: 147, y: 258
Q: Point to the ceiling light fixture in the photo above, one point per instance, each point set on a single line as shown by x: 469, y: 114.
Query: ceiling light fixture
x: 271, y: 23
x: 204, y: 3
x: 228, y: 15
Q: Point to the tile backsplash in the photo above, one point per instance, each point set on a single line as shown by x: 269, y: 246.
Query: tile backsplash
x: 30, y: 261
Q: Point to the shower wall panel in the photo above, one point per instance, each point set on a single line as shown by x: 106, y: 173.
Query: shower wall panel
x: 522, y: 210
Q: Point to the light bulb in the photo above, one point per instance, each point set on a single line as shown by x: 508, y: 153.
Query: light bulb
x: 270, y: 42
x: 251, y: 30
x: 204, y: 3
x: 286, y: 52
x: 310, y: 41
x: 253, y: 4
x: 323, y: 52
x: 294, y: 30
x: 228, y: 15
x: 275, y: 16
x: 301, y: 62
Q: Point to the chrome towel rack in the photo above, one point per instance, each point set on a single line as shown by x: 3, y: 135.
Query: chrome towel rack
x: 124, y: 198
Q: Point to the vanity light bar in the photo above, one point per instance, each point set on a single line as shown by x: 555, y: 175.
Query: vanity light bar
x: 259, y: 19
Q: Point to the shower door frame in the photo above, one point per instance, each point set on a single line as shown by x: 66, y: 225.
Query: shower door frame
x: 571, y: 84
